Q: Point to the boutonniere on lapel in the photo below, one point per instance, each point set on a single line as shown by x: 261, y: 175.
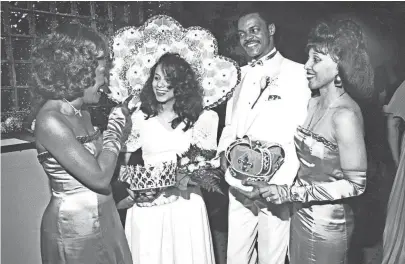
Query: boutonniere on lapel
x: 265, y: 82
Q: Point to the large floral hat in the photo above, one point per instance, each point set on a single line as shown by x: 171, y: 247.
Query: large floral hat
x: 135, y: 51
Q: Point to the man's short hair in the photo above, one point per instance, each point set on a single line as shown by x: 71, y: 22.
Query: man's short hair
x: 266, y: 16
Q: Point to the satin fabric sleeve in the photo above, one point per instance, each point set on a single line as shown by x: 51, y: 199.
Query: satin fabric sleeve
x: 133, y: 142
x: 205, y: 130
x: 397, y: 104
x: 352, y: 184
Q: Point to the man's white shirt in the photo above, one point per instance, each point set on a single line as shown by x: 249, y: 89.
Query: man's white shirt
x: 280, y: 109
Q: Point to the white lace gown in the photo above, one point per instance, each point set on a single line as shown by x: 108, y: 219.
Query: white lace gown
x: 177, y: 232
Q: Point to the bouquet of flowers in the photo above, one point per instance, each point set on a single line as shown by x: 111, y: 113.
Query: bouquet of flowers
x: 197, y: 164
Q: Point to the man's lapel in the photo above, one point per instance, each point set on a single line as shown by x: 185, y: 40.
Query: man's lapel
x: 273, y: 73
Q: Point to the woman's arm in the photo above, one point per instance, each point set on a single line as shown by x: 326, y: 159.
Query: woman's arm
x: 353, y: 160
x: 56, y: 137
x: 393, y: 135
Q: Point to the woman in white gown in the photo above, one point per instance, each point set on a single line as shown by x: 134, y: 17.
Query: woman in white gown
x: 179, y: 76
x: 166, y: 231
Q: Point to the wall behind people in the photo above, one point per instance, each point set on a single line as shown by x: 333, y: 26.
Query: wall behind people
x: 24, y: 197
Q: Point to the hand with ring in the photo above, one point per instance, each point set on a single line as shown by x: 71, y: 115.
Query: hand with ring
x: 255, y: 193
x: 276, y: 194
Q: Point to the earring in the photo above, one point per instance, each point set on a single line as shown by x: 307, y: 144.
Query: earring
x: 338, y: 81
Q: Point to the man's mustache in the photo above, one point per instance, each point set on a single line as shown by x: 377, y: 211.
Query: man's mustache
x: 251, y: 41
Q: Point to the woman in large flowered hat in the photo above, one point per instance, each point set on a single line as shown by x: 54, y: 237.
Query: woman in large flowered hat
x: 176, y: 76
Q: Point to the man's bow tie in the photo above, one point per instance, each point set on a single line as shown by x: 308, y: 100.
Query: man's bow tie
x: 253, y: 63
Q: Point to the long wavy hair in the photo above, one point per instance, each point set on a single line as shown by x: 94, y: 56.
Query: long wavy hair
x: 188, y: 93
x: 343, y: 40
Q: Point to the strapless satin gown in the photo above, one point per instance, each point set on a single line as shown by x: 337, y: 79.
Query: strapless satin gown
x: 79, y: 225
x: 320, y: 230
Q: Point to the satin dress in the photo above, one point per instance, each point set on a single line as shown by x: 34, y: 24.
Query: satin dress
x: 322, y: 222
x: 79, y: 225
x: 394, y: 232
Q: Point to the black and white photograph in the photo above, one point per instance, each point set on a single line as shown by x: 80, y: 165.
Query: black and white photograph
x: 202, y: 132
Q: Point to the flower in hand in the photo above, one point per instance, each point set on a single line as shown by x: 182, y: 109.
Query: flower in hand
x: 196, y: 167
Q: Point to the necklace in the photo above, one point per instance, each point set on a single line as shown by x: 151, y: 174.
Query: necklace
x: 324, y: 113
x: 78, y: 112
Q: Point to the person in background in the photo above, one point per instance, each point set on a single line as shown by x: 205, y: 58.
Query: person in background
x: 330, y: 146
x: 394, y: 232
x: 268, y: 105
x: 81, y: 223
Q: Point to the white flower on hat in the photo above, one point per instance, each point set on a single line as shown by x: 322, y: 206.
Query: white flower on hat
x: 208, y: 46
x: 224, y: 74
x: 133, y: 34
x: 149, y: 61
x: 208, y: 64
x: 163, y: 49
x: 165, y: 29
x: 120, y: 49
x: 135, y: 70
x: 151, y: 46
x: 135, y: 80
x: 209, y: 84
x: 118, y: 91
x: 194, y: 34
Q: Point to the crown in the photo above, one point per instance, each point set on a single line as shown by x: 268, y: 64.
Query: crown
x: 148, y: 177
x: 254, y: 160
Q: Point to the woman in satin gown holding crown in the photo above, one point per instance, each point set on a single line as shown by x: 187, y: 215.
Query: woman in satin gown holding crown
x: 330, y: 146
x: 81, y: 223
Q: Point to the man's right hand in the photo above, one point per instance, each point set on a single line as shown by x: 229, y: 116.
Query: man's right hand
x: 224, y: 162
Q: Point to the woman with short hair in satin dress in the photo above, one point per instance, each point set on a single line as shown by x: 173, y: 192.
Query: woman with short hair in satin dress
x: 330, y: 146
x: 81, y: 223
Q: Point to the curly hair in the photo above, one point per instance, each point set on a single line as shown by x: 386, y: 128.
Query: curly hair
x: 188, y: 93
x: 64, y: 62
x: 343, y: 40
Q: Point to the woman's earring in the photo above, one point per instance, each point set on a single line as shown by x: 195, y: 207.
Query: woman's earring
x: 338, y: 81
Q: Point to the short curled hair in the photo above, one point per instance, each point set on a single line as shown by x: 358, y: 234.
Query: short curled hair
x: 64, y: 62
x: 188, y: 93
x: 343, y: 40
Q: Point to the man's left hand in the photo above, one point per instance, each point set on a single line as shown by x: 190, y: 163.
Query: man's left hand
x: 270, y: 192
x: 255, y: 193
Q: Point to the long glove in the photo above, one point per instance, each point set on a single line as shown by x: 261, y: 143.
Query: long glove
x: 117, y: 122
x: 112, y: 136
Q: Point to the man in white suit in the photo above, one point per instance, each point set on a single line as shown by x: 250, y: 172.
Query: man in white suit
x: 270, y: 113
